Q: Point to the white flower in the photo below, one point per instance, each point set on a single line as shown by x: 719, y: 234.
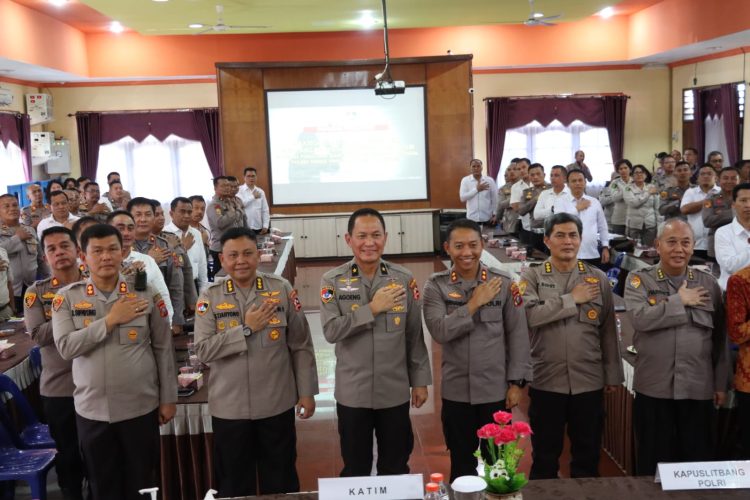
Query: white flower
x: 498, y: 471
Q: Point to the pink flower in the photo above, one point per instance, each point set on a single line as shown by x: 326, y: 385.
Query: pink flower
x: 522, y: 428
x: 505, y: 436
x: 488, y: 431
x: 502, y: 417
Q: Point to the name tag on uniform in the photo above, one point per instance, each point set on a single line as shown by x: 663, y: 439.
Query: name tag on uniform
x: 406, y: 486
x: 704, y: 475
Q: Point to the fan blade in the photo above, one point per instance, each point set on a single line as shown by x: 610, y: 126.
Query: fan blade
x: 207, y: 30
x: 544, y: 23
x: 549, y: 18
x: 232, y: 27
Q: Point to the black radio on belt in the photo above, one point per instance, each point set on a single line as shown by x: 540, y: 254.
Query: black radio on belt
x: 140, y: 280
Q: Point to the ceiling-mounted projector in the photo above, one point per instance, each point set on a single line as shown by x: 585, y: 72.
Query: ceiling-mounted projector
x: 384, y: 87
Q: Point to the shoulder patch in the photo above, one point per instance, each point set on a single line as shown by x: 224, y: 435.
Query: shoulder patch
x: 414, y: 289
x: 326, y: 294
x: 201, y: 307
x: 516, y: 293
x: 57, y: 302
x: 294, y: 299
x: 29, y: 298
x: 707, y: 204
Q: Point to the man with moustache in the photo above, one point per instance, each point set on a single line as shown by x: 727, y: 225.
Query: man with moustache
x: 670, y: 198
x: 37, y: 209
x: 479, y: 192
x: 717, y: 209
x: 60, y: 216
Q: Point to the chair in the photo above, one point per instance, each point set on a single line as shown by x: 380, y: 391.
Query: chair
x: 34, y: 434
x: 35, y: 358
x: 24, y: 465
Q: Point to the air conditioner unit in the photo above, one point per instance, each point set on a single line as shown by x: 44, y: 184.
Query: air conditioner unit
x: 41, y: 146
x: 39, y: 108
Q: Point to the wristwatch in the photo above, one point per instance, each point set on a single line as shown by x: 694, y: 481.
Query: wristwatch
x: 521, y: 383
x: 247, y: 330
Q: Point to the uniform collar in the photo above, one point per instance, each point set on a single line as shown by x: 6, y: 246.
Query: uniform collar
x: 381, y: 271
x: 662, y: 276
x: 122, y: 289
x: 482, y: 274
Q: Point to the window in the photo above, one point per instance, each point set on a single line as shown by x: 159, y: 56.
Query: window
x: 158, y: 170
x: 556, y: 144
x: 11, y: 166
x: 688, y: 105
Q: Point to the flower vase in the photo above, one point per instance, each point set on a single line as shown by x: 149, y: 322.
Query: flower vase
x: 515, y: 495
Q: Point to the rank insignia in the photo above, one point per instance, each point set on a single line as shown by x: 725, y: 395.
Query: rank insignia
x: 48, y: 296
x: 82, y: 268
x: 383, y: 269
x: 83, y: 305
x: 274, y: 321
x: 455, y: 295
x: 162, y: 306
x: 326, y: 294
x: 522, y: 286
x: 123, y: 288
x: 181, y: 260
x: 414, y: 289
x: 398, y: 308
x: 652, y: 300
x: 516, y: 294
x: 229, y: 286
x: 220, y: 325
x: 57, y: 302
x: 294, y: 298
x: 259, y: 283
x: 131, y: 295
x: 225, y: 306
x: 29, y: 299
x: 152, y: 239
x: 54, y: 282
x: 548, y: 268
x: 355, y: 270
x: 707, y: 204
x: 201, y: 307
x: 591, y: 279
x: 397, y: 320
x: 581, y: 266
x: 483, y: 275
x: 691, y: 277
x: 528, y: 195
x: 454, y: 275
x: 355, y: 307
x: 664, y: 195
x: 132, y: 335
x: 90, y: 290
x: 218, y: 210
x: 592, y: 314
x: 233, y: 323
x: 270, y: 294
x: 659, y: 274
x: 635, y: 281
x: 274, y: 334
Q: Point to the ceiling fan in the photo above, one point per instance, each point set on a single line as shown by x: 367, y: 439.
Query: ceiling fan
x: 537, y: 18
x: 220, y: 27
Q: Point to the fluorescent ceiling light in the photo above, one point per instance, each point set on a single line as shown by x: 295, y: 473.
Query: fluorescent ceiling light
x: 58, y: 3
x: 161, y: 0
x: 366, y: 20
x: 116, y: 27
x: 607, y: 12
x: 195, y: 26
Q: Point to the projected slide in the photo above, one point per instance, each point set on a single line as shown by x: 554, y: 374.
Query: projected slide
x: 331, y: 146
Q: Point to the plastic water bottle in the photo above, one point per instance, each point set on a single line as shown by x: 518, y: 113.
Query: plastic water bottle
x: 210, y: 267
x: 432, y: 491
x: 618, y: 327
x: 437, y: 478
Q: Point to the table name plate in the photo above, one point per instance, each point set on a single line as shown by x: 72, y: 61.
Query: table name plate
x: 704, y: 475
x: 407, y: 486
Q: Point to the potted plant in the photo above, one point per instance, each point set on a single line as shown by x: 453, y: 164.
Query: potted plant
x: 500, y: 442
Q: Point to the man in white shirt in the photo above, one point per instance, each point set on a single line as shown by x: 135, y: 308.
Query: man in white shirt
x: 61, y: 215
x: 591, y: 213
x: 181, y: 212
x: 125, y: 223
x: 516, y: 192
x: 548, y: 197
x: 732, y: 242
x: 254, y: 202
x: 479, y: 192
x: 692, y: 206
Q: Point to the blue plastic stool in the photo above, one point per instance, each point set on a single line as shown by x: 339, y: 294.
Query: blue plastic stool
x: 34, y: 434
x: 24, y: 465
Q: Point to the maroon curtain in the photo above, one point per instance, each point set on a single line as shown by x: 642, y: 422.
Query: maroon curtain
x: 504, y: 113
x: 614, y: 121
x: 497, y: 125
x: 207, y: 126
x: 89, y: 140
x: 729, y: 110
x: 16, y: 128
x: 139, y: 125
x: 699, y: 132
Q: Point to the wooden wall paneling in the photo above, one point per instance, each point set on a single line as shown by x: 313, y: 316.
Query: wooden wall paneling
x: 243, y: 123
x: 338, y: 77
x: 449, y: 106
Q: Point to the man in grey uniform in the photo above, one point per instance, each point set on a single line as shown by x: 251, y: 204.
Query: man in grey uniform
x: 123, y: 368
x: 56, y: 382
x: 224, y: 213
x: 370, y: 309
x: 682, y: 368
x: 476, y: 313
x: 717, y: 209
x: 575, y: 353
x: 251, y: 329
x: 671, y: 197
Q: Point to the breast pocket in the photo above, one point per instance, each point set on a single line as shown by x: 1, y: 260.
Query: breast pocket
x: 703, y: 317
x: 135, y: 332
x: 395, y: 321
x: 274, y: 334
x: 591, y: 312
x: 490, y: 314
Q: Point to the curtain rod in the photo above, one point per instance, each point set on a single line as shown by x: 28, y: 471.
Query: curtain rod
x: 9, y: 112
x: 557, y: 96
x: 136, y: 111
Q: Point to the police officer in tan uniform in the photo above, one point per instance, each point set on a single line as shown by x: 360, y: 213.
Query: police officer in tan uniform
x: 717, y: 209
x: 370, y: 310
x: 123, y: 368
x: 251, y: 330
x: 671, y: 197
x: 528, y: 202
x: 682, y: 368
x: 56, y: 382
x: 93, y: 207
x: 476, y: 313
x: 505, y: 214
x: 575, y: 353
x: 142, y: 210
x: 37, y: 210
x: 224, y: 212
x: 21, y: 243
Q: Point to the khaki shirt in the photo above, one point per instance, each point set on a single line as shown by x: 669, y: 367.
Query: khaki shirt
x: 122, y: 374
x: 182, y: 261
x: 507, y: 215
x: 669, y: 202
x: 574, y: 347
x: 31, y: 215
x: 24, y: 256
x: 717, y: 211
x: 663, y: 182
x: 481, y: 352
x: 266, y: 373
x: 642, y: 207
x: 101, y: 217
x: 682, y: 350
x: 377, y: 357
x: 617, y: 190
x: 56, y: 380
x: 528, y: 202
x: 608, y: 205
x: 222, y: 215
x: 172, y: 272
